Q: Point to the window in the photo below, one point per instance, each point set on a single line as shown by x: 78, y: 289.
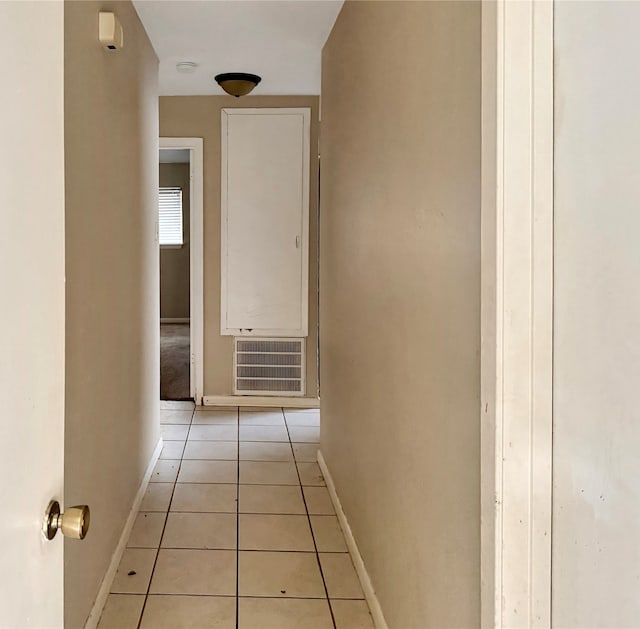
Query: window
x: 170, y: 216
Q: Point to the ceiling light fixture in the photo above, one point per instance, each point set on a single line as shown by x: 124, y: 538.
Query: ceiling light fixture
x: 186, y: 67
x: 237, y: 83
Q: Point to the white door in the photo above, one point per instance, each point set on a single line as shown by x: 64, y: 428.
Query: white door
x: 265, y: 215
x: 32, y: 313
x: 596, y: 419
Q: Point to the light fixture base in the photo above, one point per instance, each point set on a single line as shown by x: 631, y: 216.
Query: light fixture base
x: 237, y: 83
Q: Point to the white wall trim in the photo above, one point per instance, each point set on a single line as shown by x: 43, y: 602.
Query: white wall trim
x: 174, y: 320
x: 196, y: 257
x: 107, y: 581
x: 257, y: 400
x: 517, y: 312
x: 361, y: 569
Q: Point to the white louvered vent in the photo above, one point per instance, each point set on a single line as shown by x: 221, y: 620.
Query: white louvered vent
x: 264, y: 366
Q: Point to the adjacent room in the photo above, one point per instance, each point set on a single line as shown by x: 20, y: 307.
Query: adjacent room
x: 173, y: 232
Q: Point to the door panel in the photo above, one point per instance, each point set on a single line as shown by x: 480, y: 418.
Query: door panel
x: 596, y: 436
x: 32, y: 281
x: 265, y: 221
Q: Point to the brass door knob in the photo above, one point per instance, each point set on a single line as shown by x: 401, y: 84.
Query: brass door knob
x: 73, y: 523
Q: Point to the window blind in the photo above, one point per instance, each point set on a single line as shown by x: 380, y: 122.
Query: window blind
x: 170, y: 216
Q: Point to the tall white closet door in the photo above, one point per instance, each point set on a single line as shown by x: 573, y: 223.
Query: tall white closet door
x: 265, y: 215
x: 596, y: 355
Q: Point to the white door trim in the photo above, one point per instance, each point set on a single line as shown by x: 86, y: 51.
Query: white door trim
x: 196, y: 258
x: 517, y: 312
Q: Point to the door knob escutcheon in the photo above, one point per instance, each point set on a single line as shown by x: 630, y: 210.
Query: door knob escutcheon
x: 73, y: 523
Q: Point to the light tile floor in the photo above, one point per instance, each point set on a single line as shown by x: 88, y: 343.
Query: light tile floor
x: 236, y: 530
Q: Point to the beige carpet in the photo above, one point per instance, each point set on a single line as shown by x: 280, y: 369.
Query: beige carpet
x: 174, y: 361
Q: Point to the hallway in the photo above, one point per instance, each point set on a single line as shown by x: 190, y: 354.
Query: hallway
x: 294, y: 568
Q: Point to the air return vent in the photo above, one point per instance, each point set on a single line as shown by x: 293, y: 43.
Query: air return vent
x: 269, y: 366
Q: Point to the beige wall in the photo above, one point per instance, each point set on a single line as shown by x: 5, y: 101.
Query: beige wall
x: 400, y: 300
x: 596, y: 424
x: 199, y: 116
x: 112, y: 310
x: 174, y: 262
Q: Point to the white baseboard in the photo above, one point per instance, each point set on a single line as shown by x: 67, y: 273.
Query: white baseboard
x: 105, y: 587
x: 261, y: 400
x: 175, y: 319
x: 361, y: 569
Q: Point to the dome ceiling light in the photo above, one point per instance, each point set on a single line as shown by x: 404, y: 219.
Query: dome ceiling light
x: 237, y: 83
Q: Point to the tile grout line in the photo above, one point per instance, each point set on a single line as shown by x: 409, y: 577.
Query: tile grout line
x: 233, y: 461
x: 313, y: 537
x: 166, y: 518
x: 301, y: 515
x: 249, y: 484
x: 220, y: 548
x: 268, y: 597
x: 238, y: 460
x: 238, y: 519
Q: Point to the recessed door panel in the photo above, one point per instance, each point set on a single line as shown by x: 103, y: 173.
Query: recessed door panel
x: 265, y: 200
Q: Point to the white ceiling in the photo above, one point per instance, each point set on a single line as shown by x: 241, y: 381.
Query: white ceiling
x: 279, y: 40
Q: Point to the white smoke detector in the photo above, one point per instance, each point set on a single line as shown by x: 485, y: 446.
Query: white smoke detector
x: 110, y: 31
x: 186, y: 67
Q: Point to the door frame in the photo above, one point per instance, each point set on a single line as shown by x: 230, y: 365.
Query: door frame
x: 517, y: 313
x: 196, y: 259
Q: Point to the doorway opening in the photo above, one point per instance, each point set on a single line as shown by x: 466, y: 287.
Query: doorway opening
x: 180, y: 238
